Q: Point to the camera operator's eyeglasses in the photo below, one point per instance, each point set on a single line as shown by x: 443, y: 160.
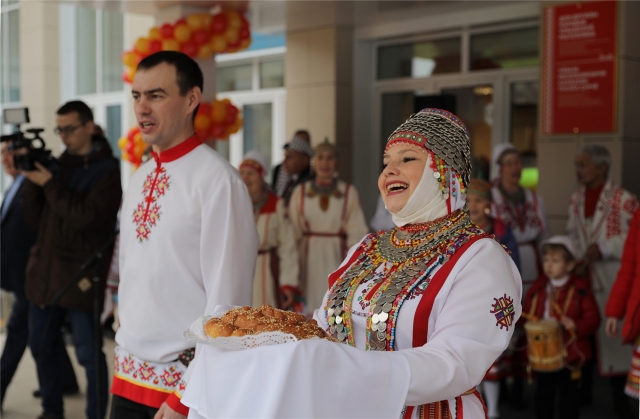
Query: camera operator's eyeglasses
x: 66, y: 130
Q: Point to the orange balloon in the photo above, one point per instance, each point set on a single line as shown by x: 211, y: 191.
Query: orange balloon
x: 195, y: 22
x: 232, y: 35
x: 130, y: 59
x: 204, y: 51
x: 219, y: 112
x: 245, y: 43
x: 170, y: 45
x: 182, y: 33
x: 234, y: 19
x: 142, y: 45
x: 139, y: 149
x: 137, y: 139
x: 132, y: 72
x: 122, y: 143
x: 206, y: 20
x: 154, y: 33
x: 202, y: 122
x: 218, y: 44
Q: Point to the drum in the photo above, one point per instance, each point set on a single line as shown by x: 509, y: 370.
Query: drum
x: 545, y: 345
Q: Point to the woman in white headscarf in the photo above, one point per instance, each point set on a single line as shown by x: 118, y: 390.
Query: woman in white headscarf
x: 276, y: 278
x: 424, y: 309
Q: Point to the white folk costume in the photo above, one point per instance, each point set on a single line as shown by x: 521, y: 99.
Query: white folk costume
x: 276, y: 241
x: 441, y: 299
x: 607, y: 228
x: 527, y: 218
x: 326, y: 221
x: 187, y: 244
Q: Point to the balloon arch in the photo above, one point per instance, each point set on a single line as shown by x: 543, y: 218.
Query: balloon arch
x: 199, y: 36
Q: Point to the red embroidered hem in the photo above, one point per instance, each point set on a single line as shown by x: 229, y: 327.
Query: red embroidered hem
x: 146, y: 396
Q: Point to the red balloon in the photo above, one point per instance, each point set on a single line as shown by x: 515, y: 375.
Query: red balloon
x: 233, y: 46
x: 232, y: 111
x: 181, y: 21
x: 155, y: 45
x: 166, y: 31
x: 205, y: 108
x: 244, y: 23
x: 130, y: 148
x: 244, y: 34
x: 201, y: 36
x: 217, y: 131
x: 219, y: 24
x: 131, y: 134
x: 190, y: 48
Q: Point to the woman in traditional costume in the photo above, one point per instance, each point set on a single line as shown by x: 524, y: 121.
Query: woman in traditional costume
x: 522, y: 210
x: 424, y: 308
x: 327, y: 219
x: 276, y: 279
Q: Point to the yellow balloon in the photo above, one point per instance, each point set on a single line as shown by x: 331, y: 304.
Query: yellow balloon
x: 132, y: 72
x: 245, y: 44
x: 218, y: 44
x: 139, y: 149
x: 122, y: 143
x: 205, y: 51
x: 231, y: 35
x: 130, y: 59
x: 142, y: 45
x: 202, y: 122
x: 195, y: 22
x: 154, y: 33
x: 137, y: 139
x: 170, y: 45
x: 182, y: 33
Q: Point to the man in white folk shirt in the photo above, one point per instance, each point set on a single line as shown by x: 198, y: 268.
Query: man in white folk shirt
x: 186, y: 231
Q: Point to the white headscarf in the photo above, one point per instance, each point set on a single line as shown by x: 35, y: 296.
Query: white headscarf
x: 257, y: 157
x: 427, y: 202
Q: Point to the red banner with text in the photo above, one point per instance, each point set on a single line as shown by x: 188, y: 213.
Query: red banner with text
x: 579, y: 68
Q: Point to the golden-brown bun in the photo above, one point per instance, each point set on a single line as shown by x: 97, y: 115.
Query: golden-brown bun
x: 216, y: 328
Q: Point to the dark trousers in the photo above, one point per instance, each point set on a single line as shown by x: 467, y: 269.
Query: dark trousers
x: 552, y: 384
x: 621, y: 404
x: 16, y: 343
x: 122, y: 408
x: 44, y: 336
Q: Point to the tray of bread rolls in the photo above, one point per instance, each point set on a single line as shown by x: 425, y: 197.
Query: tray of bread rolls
x: 246, y: 327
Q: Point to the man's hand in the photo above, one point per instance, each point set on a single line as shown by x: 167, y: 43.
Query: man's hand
x: 40, y: 176
x: 611, y: 327
x: 593, y: 253
x: 165, y: 412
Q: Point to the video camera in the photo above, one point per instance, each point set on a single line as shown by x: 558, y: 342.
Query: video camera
x: 27, y: 153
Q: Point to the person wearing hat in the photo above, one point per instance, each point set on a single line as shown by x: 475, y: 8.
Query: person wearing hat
x: 296, y: 167
x: 557, y: 294
x: 327, y: 219
x: 521, y: 209
x: 421, y: 311
x: 276, y: 281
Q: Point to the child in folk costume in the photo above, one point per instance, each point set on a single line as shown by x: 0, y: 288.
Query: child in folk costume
x: 327, y: 219
x: 624, y: 302
x: 559, y: 295
x: 479, y: 203
x: 276, y: 281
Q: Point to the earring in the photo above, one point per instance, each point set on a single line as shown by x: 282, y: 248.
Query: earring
x: 487, y: 211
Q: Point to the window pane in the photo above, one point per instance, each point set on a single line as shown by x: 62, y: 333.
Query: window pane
x: 256, y: 131
x: 271, y: 74
x: 419, y: 60
x: 524, y: 121
x: 510, y: 49
x: 234, y: 78
x: 114, y: 128
x: 14, y: 56
x: 112, y: 48
x: 86, y: 53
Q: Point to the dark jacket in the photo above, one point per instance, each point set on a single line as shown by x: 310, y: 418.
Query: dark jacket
x: 624, y: 300
x: 505, y: 236
x: 17, y: 239
x: 303, y: 177
x: 75, y: 214
x: 582, y: 309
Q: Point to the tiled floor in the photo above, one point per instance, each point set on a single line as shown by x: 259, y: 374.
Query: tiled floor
x: 19, y: 402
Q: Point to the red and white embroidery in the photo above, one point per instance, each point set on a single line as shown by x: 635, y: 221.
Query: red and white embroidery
x: 161, y: 377
x: 147, y: 213
x: 504, y: 311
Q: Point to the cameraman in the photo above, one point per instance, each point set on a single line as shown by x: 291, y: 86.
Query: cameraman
x: 74, y: 208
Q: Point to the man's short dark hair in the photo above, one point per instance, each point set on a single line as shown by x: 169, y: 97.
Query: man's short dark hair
x: 188, y: 71
x: 84, y: 112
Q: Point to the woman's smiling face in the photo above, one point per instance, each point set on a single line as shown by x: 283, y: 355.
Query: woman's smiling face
x: 403, y: 168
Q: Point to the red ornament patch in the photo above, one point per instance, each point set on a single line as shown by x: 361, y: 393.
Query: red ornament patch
x: 504, y: 311
x: 147, y: 213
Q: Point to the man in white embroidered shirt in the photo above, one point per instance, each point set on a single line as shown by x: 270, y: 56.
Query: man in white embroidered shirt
x: 186, y: 220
